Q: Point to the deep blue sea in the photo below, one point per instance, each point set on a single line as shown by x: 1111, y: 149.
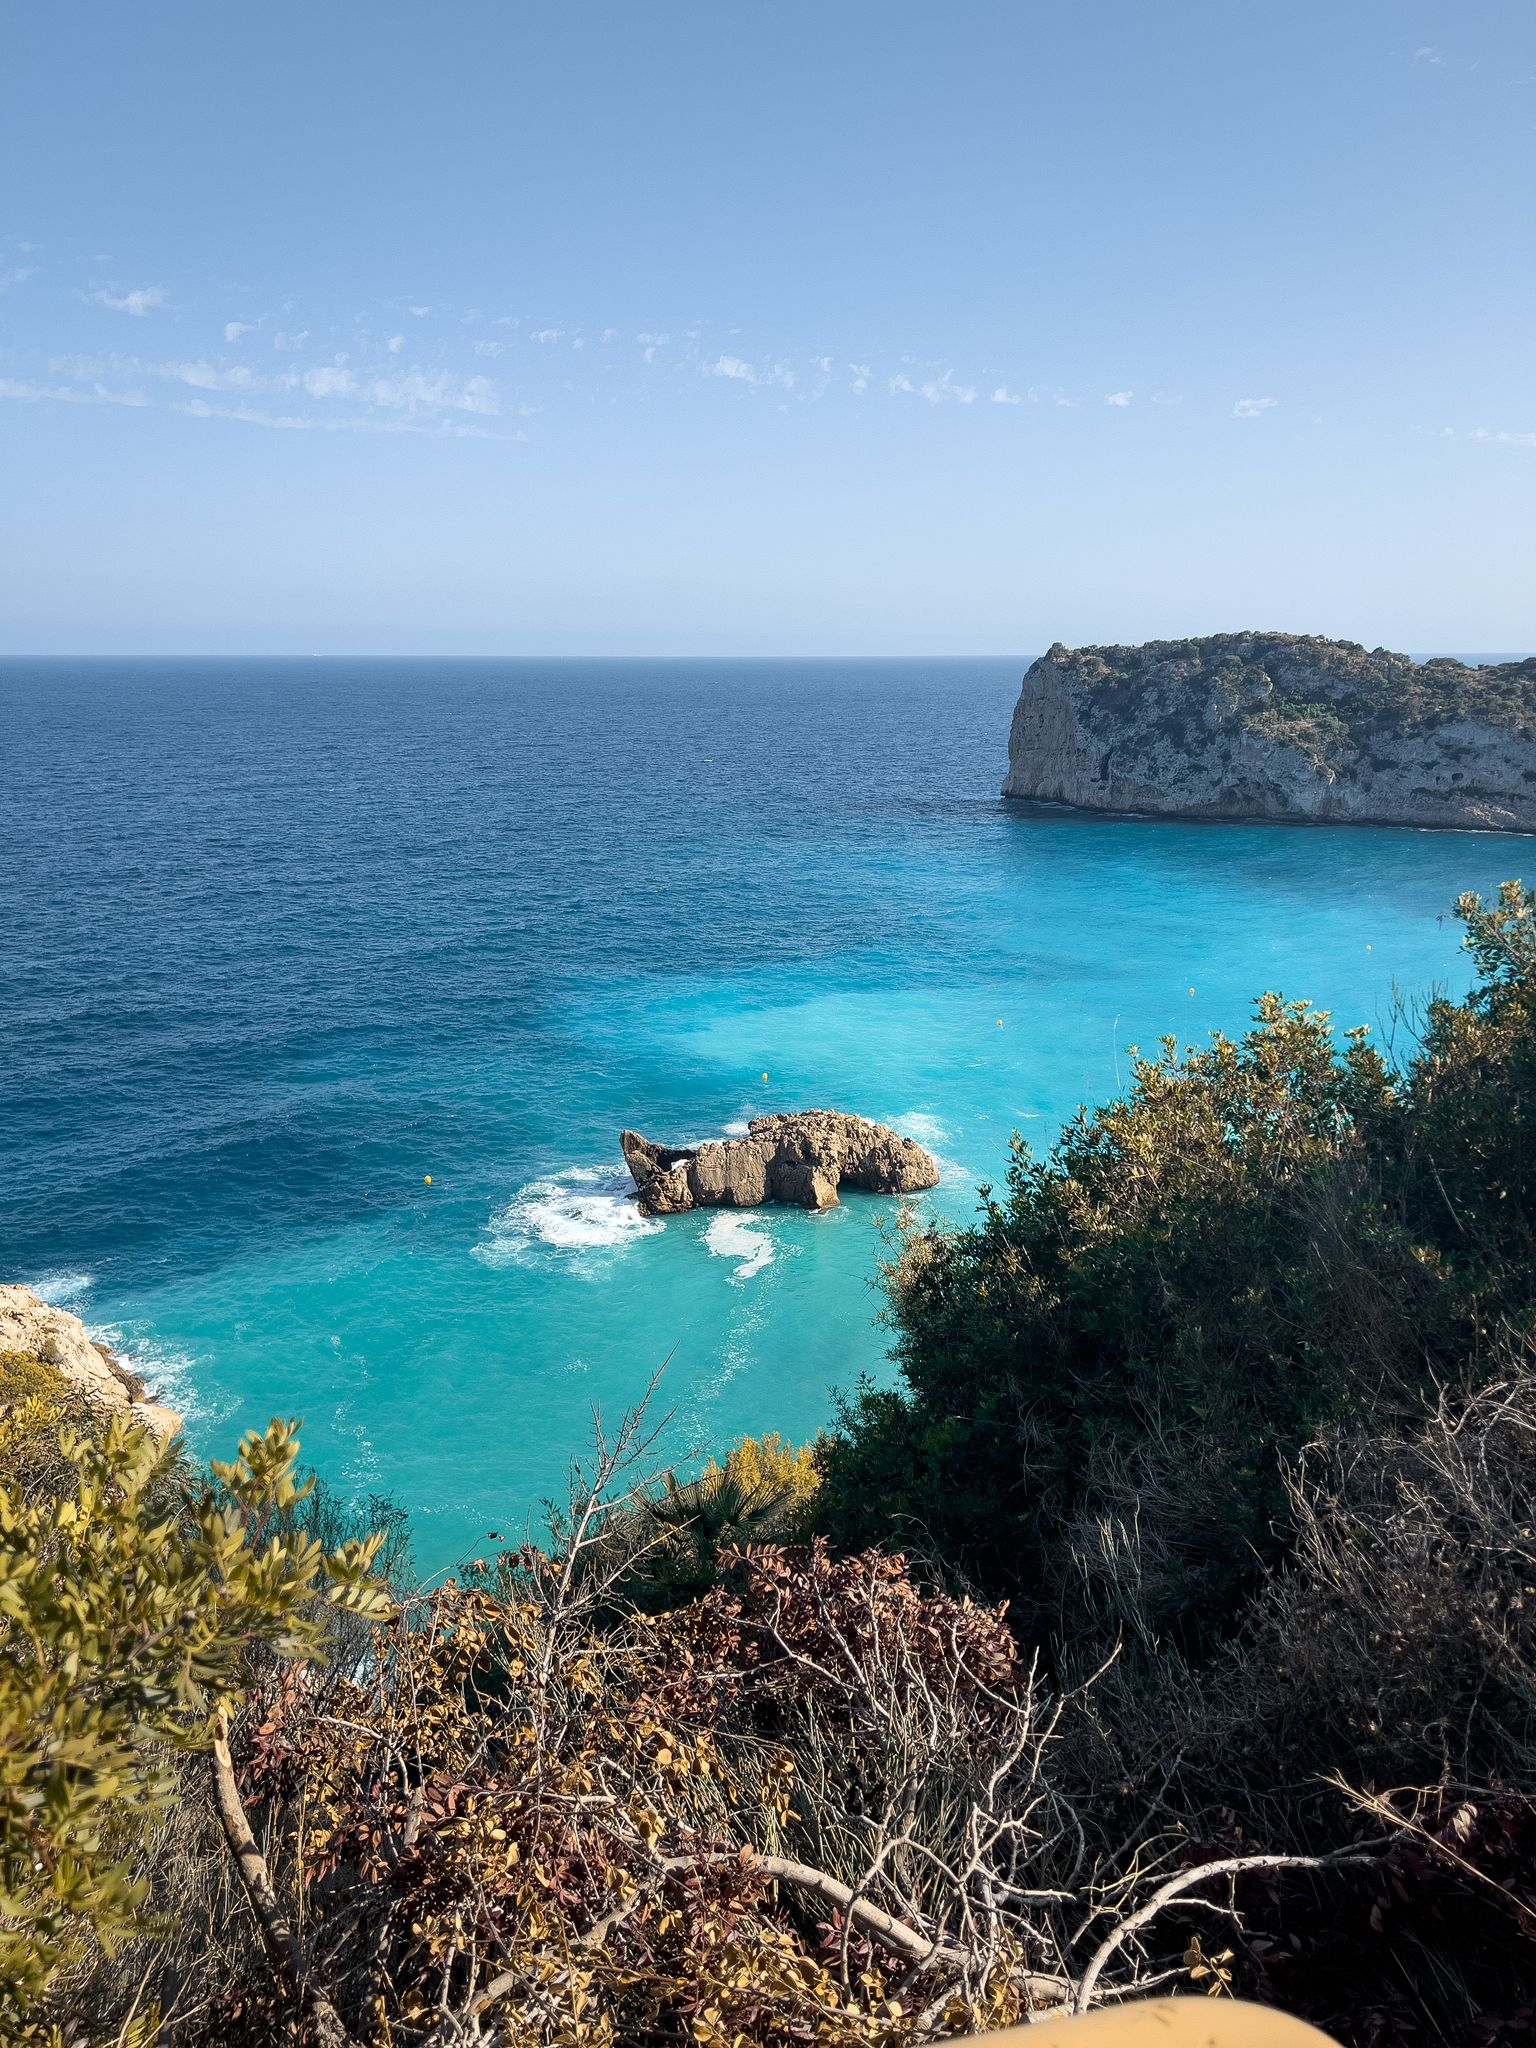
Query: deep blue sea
x: 284, y: 937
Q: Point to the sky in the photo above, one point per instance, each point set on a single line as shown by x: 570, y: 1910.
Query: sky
x: 814, y: 328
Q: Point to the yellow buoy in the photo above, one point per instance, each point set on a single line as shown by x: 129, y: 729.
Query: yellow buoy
x: 999, y: 1023
x: 1191, y: 991
x: 765, y: 1077
x: 426, y: 1180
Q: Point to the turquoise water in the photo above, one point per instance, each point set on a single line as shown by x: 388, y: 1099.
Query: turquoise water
x: 285, y: 937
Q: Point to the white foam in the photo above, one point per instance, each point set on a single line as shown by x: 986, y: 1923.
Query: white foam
x: 583, y: 1209
x: 728, y: 1237
x: 60, y: 1289
x: 738, y: 1128
x: 925, y: 1129
x: 169, y: 1375
x: 931, y: 1134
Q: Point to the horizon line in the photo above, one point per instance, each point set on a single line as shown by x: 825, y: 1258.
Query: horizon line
x: 1440, y: 652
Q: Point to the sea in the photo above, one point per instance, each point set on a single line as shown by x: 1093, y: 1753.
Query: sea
x: 327, y: 985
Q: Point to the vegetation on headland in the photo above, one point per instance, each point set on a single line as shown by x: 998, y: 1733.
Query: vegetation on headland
x: 1314, y: 691
x: 1173, y: 1624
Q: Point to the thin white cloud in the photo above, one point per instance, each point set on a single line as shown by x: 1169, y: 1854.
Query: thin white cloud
x: 1499, y: 435
x: 415, y: 392
x: 407, y: 393
x: 250, y: 415
x: 739, y: 372
x: 482, y: 348
x: 17, y: 388
x: 395, y: 343
x: 204, y: 376
x: 861, y: 376
x: 17, y: 276
x: 418, y: 312
x: 233, y: 329
x: 329, y: 382
x: 1003, y: 396
x: 937, y: 390
x: 1250, y: 408
x: 144, y: 299
x: 1427, y: 54
x: 1120, y: 398
x: 547, y: 334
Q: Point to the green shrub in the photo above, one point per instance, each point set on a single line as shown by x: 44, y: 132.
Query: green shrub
x: 124, y: 1626
x: 1266, y: 1238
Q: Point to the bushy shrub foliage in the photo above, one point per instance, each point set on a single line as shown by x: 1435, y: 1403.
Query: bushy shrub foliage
x: 129, y: 1613
x: 1266, y: 1238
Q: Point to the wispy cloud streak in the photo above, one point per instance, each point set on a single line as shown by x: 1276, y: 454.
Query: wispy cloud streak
x: 145, y: 299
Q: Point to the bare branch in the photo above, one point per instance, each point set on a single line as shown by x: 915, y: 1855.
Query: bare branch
x: 284, y: 1949
x: 1165, y: 1895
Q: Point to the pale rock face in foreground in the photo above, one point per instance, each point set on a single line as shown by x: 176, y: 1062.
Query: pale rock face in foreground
x: 29, y: 1324
x: 800, y: 1157
x: 1276, y: 725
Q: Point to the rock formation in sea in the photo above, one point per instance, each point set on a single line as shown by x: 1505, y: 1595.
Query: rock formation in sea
x: 31, y: 1326
x: 1278, y: 725
x: 803, y: 1157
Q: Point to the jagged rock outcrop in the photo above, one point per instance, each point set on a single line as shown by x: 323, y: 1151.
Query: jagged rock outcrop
x: 799, y: 1157
x: 30, y: 1325
x: 1278, y: 725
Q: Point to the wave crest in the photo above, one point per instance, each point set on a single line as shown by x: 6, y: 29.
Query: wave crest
x: 62, y: 1290
x: 582, y: 1209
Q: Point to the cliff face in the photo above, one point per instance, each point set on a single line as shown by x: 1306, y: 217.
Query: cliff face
x: 1276, y: 725
x: 30, y: 1326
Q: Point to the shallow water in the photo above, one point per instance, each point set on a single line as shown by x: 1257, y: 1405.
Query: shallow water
x: 284, y: 937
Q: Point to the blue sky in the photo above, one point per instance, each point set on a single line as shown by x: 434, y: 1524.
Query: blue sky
x: 828, y: 328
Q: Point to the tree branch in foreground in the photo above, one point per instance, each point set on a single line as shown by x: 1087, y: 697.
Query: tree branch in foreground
x: 284, y: 1950
x: 1165, y: 1895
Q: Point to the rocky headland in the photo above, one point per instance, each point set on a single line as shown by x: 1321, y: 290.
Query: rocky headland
x: 33, y: 1328
x: 801, y: 1157
x: 1278, y: 725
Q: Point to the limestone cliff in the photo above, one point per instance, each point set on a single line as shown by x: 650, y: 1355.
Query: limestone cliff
x: 29, y: 1325
x: 796, y: 1157
x: 1278, y: 725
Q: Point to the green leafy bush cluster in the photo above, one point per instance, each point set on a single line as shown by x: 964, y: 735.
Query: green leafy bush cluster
x: 1267, y: 1238
x: 132, y: 1609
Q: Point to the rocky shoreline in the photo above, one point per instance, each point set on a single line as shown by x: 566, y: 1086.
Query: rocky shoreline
x: 1278, y: 725
x: 33, y: 1328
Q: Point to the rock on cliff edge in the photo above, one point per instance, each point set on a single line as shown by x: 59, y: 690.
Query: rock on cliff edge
x: 1278, y: 725
x: 801, y: 1157
x: 28, y: 1324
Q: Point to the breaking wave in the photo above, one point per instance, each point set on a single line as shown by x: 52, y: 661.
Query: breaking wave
x: 62, y: 1290
x: 582, y: 1209
x: 933, y: 1135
